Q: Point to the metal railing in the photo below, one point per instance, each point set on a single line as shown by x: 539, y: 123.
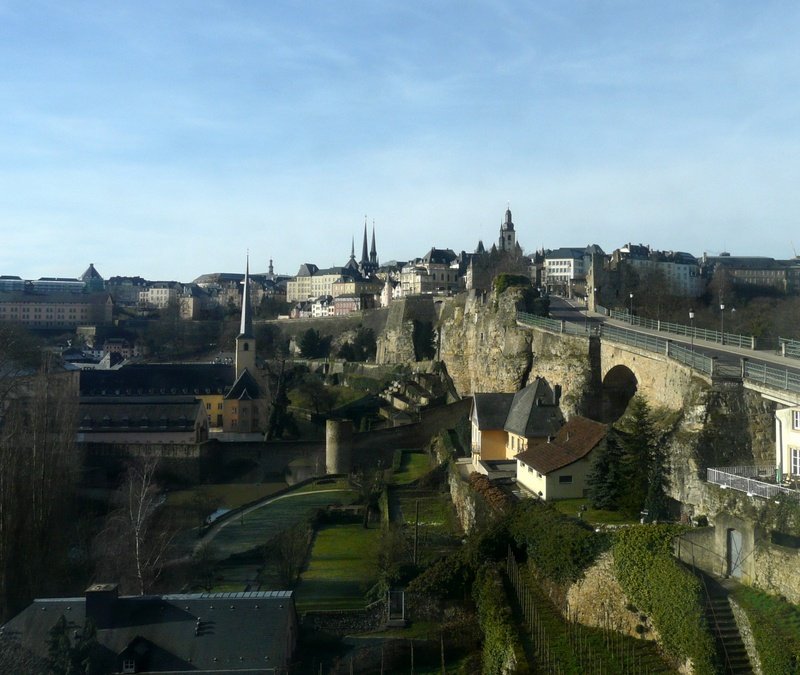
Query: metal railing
x: 650, y: 343
x: 729, y: 339
x: 789, y: 347
x: 602, y: 310
x: 555, y: 325
x: 701, y: 362
x: 778, y: 378
x: 746, y: 479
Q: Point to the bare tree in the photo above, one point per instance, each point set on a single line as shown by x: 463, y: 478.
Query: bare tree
x: 38, y: 473
x: 136, y: 538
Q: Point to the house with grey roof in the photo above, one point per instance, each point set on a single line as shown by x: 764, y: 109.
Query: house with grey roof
x: 504, y: 425
x: 250, y: 632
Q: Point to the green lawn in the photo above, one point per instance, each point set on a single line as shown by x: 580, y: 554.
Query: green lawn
x: 341, y: 568
x: 413, y: 466
x: 227, y: 495
x: 571, y: 507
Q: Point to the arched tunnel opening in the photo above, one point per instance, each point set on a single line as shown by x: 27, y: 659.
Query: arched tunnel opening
x: 619, y: 387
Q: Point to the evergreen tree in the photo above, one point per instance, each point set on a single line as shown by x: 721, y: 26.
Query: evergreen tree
x: 638, y: 447
x: 657, y: 503
x: 606, y: 478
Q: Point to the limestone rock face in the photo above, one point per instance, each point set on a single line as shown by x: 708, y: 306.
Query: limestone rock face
x: 598, y: 600
x: 481, y: 344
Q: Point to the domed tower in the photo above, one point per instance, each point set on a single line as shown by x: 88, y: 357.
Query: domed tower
x: 508, y: 238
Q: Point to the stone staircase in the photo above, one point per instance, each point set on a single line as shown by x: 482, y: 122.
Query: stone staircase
x: 731, y: 651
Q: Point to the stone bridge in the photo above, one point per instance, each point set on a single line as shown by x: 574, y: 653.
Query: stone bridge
x: 622, y: 362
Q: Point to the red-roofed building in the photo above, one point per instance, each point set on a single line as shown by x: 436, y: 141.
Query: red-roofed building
x: 557, y: 468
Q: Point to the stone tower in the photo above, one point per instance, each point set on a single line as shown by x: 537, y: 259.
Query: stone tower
x: 508, y: 238
x: 246, y: 341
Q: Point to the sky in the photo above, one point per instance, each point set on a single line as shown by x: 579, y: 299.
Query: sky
x: 168, y: 138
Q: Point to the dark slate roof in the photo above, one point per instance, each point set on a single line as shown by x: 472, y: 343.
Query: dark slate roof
x: 534, y: 411
x: 90, y: 274
x: 565, y: 252
x: 149, y: 379
x: 236, y: 631
x: 245, y: 387
x: 177, y: 413
x: 307, y: 270
x: 576, y: 439
x: 440, y: 256
x: 491, y: 410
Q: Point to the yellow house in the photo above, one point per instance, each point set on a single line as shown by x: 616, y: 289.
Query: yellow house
x: 558, y: 468
x: 487, y: 419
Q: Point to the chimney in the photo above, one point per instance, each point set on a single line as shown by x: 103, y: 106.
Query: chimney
x: 101, y: 600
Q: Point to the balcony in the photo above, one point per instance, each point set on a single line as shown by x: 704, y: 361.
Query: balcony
x: 755, y: 481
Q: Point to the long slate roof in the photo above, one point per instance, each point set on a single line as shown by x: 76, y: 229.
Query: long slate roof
x: 576, y: 439
x: 175, y: 413
x: 211, y: 632
x: 153, y: 379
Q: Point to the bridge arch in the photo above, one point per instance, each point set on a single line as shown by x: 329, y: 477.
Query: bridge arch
x: 619, y: 387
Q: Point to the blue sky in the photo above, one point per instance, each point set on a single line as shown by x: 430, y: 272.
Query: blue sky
x: 166, y: 138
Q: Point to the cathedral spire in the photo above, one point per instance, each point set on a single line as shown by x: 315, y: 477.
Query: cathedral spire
x: 364, y: 255
x: 373, y: 252
x: 353, y: 249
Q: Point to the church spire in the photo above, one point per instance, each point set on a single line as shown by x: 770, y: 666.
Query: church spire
x: 246, y: 326
x: 373, y: 252
x: 353, y: 249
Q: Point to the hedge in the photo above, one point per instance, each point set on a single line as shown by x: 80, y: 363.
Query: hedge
x: 659, y: 586
x: 502, y: 649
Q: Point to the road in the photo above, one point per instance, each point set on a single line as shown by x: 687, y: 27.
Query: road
x: 729, y: 357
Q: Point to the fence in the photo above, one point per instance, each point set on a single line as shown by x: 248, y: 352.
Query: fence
x: 565, y: 646
x: 556, y: 326
x: 730, y: 339
x: 790, y: 348
x: 778, y: 378
x: 746, y: 479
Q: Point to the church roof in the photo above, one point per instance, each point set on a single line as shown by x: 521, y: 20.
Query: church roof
x: 245, y: 387
x: 148, y: 379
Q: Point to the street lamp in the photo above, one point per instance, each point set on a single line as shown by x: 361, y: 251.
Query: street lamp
x: 631, y: 312
x: 691, y: 318
x: 722, y: 322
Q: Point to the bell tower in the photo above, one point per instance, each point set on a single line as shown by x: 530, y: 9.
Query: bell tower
x: 508, y: 238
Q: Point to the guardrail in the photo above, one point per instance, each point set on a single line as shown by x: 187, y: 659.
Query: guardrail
x: 730, y: 339
x: 789, y: 347
x: 602, y: 310
x: 779, y: 378
x: 555, y: 325
x: 746, y: 479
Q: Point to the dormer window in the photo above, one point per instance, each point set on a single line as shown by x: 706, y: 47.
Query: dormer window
x: 128, y: 665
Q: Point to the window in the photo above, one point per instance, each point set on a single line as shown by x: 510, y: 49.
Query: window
x: 565, y: 480
x: 208, y: 406
x: 128, y: 666
x: 795, y: 460
x: 795, y: 419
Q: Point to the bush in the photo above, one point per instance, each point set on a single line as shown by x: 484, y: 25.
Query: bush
x: 560, y: 548
x: 502, y: 649
x: 656, y: 583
